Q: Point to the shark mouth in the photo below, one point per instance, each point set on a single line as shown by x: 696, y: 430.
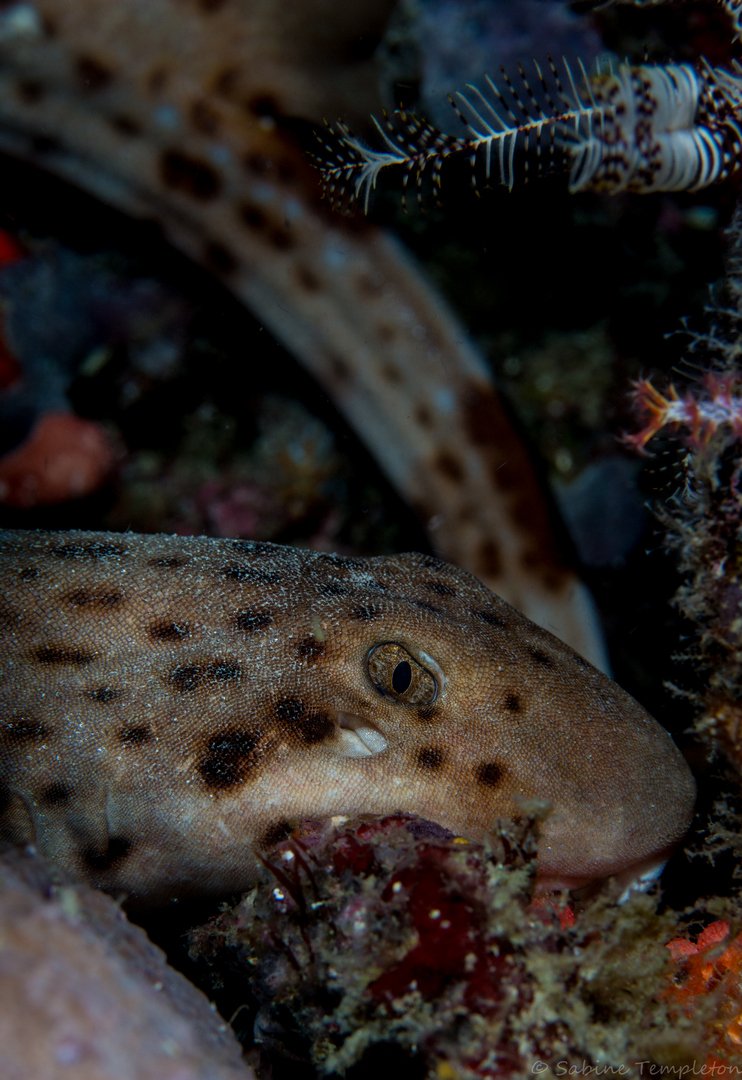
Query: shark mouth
x: 357, y: 737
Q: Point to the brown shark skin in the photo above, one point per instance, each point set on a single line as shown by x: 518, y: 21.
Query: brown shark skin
x: 169, y: 706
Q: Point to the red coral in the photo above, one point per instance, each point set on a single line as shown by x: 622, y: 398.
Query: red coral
x: 711, y: 965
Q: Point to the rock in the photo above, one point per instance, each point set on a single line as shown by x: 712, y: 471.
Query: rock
x: 85, y: 994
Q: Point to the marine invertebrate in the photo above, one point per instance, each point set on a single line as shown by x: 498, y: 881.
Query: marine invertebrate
x: 171, y: 704
x: 641, y: 128
x: 708, y: 982
x: 698, y: 413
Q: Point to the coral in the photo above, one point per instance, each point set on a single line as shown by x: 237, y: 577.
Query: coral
x: 64, y: 457
x: 391, y: 940
x: 709, y: 970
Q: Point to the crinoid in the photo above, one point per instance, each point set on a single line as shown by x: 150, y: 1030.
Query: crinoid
x: 623, y: 127
x: 527, y: 116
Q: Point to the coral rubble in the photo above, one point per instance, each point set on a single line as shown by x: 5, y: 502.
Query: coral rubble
x: 391, y: 941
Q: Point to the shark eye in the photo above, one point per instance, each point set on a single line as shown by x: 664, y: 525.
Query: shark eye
x: 397, y: 674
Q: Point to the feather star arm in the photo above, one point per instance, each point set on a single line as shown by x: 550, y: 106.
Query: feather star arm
x: 640, y: 128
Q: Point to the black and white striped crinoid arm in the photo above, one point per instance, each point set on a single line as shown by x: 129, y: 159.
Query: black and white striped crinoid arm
x: 659, y: 127
x: 623, y: 127
x: 509, y: 130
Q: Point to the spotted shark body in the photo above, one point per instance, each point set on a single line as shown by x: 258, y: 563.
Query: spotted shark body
x: 170, y: 706
x: 184, y: 113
